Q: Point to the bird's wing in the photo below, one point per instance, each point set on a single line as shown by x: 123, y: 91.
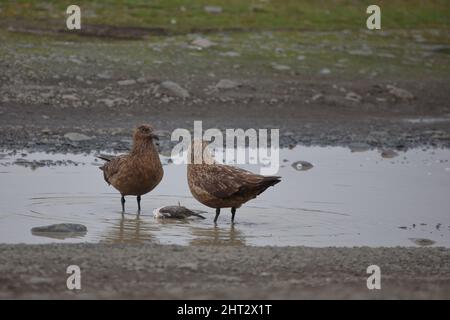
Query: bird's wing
x: 224, y: 181
x: 111, y: 167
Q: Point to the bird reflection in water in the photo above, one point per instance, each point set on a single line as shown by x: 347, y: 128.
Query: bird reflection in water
x: 130, y: 230
x: 227, y: 236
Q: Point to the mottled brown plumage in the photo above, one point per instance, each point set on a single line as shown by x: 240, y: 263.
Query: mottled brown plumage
x: 222, y: 186
x: 137, y: 172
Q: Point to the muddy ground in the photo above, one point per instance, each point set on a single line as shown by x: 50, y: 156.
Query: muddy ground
x: 388, y: 89
x: 208, y: 272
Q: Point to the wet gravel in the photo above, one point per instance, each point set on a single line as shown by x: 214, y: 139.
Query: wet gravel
x: 154, y: 271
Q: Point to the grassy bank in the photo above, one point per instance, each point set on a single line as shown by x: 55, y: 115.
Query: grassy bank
x: 180, y: 16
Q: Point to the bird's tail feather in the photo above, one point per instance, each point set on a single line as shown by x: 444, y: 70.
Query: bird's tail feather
x: 198, y: 215
x: 105, y: 157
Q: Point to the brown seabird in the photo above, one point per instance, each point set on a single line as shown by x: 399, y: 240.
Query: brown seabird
x: 137, y: 172
x: 222, y: 186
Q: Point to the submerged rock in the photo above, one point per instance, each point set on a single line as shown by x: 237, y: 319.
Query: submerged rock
x: 302, y: 165
x: 61, y: 227
x: 388, y: 154
x: 422, y: 242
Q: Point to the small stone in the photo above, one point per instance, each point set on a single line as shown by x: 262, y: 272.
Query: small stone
x: 108, y: 102
x: 175, y: 89
x: 213, y: 9
x: 70, y: 97
x: 325, y: 71
x: 400, y: 93
x: 280, y: 67
x: 227, y: 84
x: 126, y: 82
x: 202, y: 43
x: 302, y: 165
x: 352, y: 96
x: 189, y: 265
x: 317, y: 97
x: 75, y: 136
x: 230, y: 54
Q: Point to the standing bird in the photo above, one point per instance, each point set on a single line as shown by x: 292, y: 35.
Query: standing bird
x: 137, y: 172
x: 222, y: 186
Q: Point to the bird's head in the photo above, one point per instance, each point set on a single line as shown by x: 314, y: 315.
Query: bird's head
x: 144, y: 132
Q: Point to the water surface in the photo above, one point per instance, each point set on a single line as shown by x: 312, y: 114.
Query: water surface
x: 346, y: 199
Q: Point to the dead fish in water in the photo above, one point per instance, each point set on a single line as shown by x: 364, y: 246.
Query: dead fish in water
x: 176, y: 212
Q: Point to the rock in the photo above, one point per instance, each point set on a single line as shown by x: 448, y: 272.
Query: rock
x: 202, y: 43
x: 230, y: 54
x: 126, y: 82
x: 189, y: 265
x: 302, y: 165
x: 75, y: 136
x: 227, y: 84
x: 104, y: 75
x: 325, y: 71
x: 362, y: 52
x: 422, y: 242
x: 39, y: 280
x: 70, y: 97
x: 61, y: 227
x: 317, y: 97
x: 352, y: 96
x: 400, y: 93
x: 213, y: 9
x: 388, y: 154
x: 175, y: 89
x: 300, y: 58
x: 280, y: 67
x: 108, y: 102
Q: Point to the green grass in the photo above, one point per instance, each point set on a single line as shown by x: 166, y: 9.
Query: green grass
x: 237, y: 14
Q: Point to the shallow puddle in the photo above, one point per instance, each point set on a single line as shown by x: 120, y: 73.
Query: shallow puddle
x: 345, y: 199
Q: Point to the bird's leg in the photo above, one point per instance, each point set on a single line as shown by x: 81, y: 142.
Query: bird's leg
x: 217, y: 214
x: 123, y: 203
x: 233, y: 212
x: 139, y: 203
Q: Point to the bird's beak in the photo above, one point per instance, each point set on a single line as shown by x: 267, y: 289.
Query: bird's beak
x: 157, y: 134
